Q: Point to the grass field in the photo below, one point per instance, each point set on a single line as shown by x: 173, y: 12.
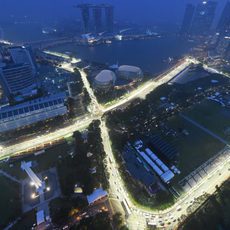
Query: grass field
x: 44, y: 161
x: 194, y: 148
x: 27, y: 221
x: 10, y: 201
x: 212, y: 116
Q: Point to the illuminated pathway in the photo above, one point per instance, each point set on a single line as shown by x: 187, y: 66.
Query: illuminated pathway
x: 137, y: 217
x: 137, y: 214
x: 150, y: 85
x: 95, y: 106
x: 39, y: 141
x: 96, y: 110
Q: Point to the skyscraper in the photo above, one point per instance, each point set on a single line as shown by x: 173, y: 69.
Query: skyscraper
x: 18, y: 77
x: 85, y: 13
x: 97, y: 13
x: 188, y: 17
x: 223, y: 26
x: 203, y: 18
x: 109, y: 14
x: 97, y: 22
x: 22, y: 55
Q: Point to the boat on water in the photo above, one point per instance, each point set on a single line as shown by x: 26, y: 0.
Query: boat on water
x: 108, y: 42
x: 49, y: 30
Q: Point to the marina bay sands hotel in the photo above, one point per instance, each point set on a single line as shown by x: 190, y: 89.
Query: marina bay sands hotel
x: 97, y: 18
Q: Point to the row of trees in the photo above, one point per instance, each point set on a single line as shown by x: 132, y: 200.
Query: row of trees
x: 102, y: 221
x: 214, y: 214
x: 77, y: 169
x: 88, y: 154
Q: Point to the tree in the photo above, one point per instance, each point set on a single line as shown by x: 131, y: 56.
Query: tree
x: 118, y: 222
x: 98, y: 222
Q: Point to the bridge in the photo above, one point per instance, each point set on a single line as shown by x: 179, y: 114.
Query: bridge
x: 44, y: 44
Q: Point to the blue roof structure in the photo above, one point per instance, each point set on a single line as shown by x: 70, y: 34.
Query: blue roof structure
x: 33, y: 105
x: 96, y: 195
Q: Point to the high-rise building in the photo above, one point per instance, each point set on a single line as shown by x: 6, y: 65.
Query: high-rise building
x: 85, y: 13
x: 18, y: 79
x: 223, y: 26
x: 18, y: 76
x: 188, y: 17
x: 21, y: 55
x: 97, y: 13
x: 109, y: 14
x: 96, y: 23
x: 203, y: 18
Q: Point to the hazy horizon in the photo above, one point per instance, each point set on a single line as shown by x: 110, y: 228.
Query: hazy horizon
x: 144, y: 12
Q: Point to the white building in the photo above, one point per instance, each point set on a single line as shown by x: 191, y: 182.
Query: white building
x: 130, y: 72
x: 105, y: 80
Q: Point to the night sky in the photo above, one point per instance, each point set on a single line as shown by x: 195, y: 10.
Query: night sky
x: 137, y: 11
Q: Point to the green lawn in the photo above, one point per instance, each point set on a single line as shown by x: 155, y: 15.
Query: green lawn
x: 27, y: 221
x: 44, y: 161
x: 212, y: 116
x: 194, y: 148
x: 10, y: 201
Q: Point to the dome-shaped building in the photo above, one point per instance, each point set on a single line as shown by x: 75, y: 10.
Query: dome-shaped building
x: 130, y: 72
x: 105, y: 80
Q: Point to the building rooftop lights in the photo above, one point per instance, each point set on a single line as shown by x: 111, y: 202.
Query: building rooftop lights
x: 33, y: 195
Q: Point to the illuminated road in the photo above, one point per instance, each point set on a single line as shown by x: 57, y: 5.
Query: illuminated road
x: 149, y: 86
x: 95, y: 108
x: 43, y: 139
x: 137, y: 217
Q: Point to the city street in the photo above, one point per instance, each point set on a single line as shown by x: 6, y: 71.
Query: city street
x: 117, y: 188
x: 137, y: 217
x: 96, y: 110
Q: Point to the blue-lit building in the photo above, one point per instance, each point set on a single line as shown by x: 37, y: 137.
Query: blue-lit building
x: 109, y: 13
x: 22, y: 55
x: 102, y: 20
x: 203, y: 18
x: 27, y: 113
x: 18, y: 79
x: 224, y: 23
x: 187, y: 21
x: 18, y: 75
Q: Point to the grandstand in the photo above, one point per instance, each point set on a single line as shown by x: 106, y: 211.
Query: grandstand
x: 154, y: 162
x: 27, y: 113
x: 162, y: 147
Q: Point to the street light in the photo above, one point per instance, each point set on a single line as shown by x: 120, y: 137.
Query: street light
x: 33, y: 195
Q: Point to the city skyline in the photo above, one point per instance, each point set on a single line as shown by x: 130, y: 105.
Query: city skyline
x: 153, y: 10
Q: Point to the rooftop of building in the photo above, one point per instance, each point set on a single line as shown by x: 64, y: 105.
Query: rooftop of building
x: 105, y: 76
x: 7, y: 111
x: 96, y: 195
x: 129, y: 68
